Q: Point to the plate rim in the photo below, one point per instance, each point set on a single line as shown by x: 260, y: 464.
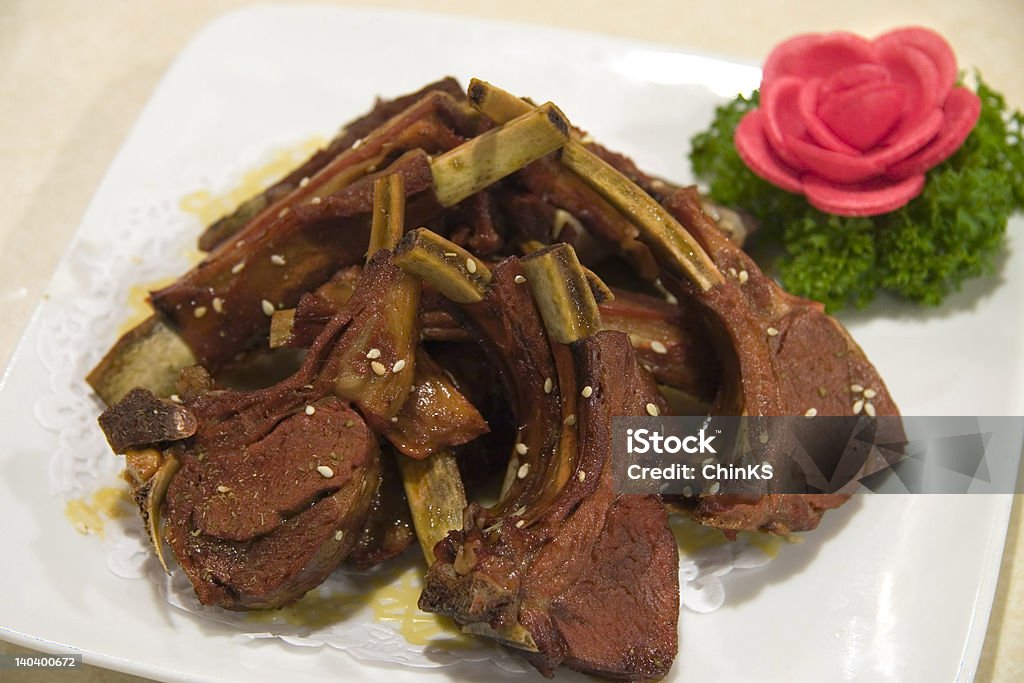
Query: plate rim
x: 998, y: 522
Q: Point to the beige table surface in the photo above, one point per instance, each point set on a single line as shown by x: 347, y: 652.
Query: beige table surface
x: 74, y: 75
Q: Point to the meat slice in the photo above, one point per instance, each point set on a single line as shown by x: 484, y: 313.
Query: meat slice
x: 561, y: 567
x: 784, y: 356
x: 352, y: 132
x: 294, y: 253
x: 273, y: 488
x: 259, y: 525
x: 669, y: 340
x: 779, y: 354
x: 388, y: 530
x: 323, y: 226
x: 597, y: 573
x: 593, y: 576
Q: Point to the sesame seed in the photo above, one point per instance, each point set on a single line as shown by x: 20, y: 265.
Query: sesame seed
x: 175, y: 398
x: 520, y: 524
x: 652, y: 410
x: 315, y: 200
x: 394, y: 419
x: 519, y: 279
x: 199, y: 311
x: 743, y: 276
x: 268, y: 308
x: 587, y: 392
x: 223, y: 489
x: 523, y: 470
x: 569, y: 421
x: 548, y: 385
x: 763, y: 437
x: 715, y: 488
x: 399, y: 365
x: 237, y: 268
x: 858, y: 406
x: 522, y: 448
x: 811, y: 412
x: 338, y: 535
x: 581, y: 476
x: 520, y: 512
x: 304, y: 182
x: 708, y: 461
x: 325, y: 471
x: 870, y: 393
x: 218, y: 304
x: 869, y: 408
x: 378, y: 368
x: 732, y: 272
x: 856, y: 388
x: 283, y: 212
x: 687, y: 491
x: 658, y: 347
x: 373, y: 354
x: 357, y: 144
x: 310, y: 410
x: 277, y: 259
x: 450, y: 254
x: 772, y: 331
x: 470, y: 266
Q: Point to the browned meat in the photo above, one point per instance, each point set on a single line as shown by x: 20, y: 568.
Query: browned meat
x: 388, y: 529
x: 275, y: 485
x: 781, y: 355
x: 588, y: 576
x: 356, y: 130
x: 313, y: 230
x: 313, y: 241
x: 547, y: 180
x: 436, y: 416
x: 142, y: 418
x: 670, y: 341
x: 475, y: 225
x: 260, y: 523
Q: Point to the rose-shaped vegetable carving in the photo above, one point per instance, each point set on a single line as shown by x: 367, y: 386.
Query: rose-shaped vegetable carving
x: 853, y: 124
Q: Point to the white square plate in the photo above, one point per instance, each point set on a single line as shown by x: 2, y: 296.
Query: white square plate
x: 890, y: 588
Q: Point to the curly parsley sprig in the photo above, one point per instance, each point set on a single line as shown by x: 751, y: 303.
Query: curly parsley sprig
x: 922, y: 252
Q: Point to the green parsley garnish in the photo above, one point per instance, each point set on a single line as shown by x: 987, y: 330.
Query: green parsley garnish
x: 922, y: 252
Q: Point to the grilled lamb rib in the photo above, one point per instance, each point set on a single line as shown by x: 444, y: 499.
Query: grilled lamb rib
x: 274, y: 485
x: 778, y: 353
x: 562, y: 567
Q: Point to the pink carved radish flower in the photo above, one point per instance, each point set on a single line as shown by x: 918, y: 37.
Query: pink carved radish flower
x: 853, y: 124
